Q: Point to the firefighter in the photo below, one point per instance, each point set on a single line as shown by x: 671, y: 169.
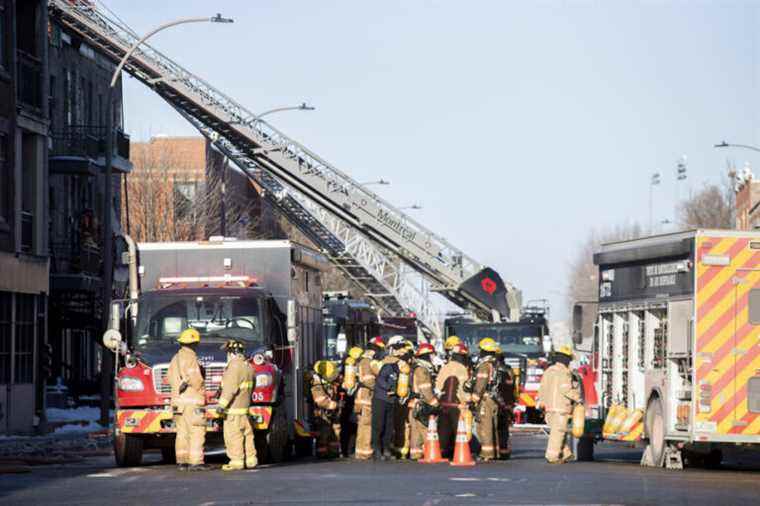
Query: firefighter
x: 348, y: 390
x: 384, y: 400
x: 450, y: 383
x: 324, y: 392
x: 484, y: 399
x: 401, y: 426
x: 556, y: 396
x: 234, y: 401
x: 423, y: 402
x: 448, y: 345
x: 188, y: 398
x: 505, y: 398
x: 363, y: 400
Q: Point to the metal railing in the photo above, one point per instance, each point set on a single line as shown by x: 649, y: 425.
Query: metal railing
x: 87, y: 141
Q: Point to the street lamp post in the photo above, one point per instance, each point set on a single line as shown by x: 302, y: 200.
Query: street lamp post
x: 108, y: 198
x: 725, y: 144
x: 654, y: 181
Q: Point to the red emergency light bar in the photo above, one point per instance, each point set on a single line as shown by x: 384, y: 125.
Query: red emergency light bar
x: 226, y: 279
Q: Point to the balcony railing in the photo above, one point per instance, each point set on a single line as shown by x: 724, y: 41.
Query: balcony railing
x: 87, y: 141
x: 29, y: 80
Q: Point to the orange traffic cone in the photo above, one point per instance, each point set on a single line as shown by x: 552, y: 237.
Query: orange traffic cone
x: 431, y: 452
x: 462, y: 455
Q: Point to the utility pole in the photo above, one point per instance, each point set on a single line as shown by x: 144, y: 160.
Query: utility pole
x: 654, y: 181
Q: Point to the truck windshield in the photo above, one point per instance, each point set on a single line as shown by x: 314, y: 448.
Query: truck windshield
x: 163, y: 316
x: 514, y: 338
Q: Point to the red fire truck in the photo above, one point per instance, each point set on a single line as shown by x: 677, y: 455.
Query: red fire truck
x: 266, y: 293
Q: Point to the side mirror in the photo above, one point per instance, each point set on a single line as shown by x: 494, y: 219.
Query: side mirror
x: 292, y: 321
x: 577, y: 324
x: 112, y: 340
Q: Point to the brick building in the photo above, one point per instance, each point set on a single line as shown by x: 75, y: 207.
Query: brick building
x: 180, y: 180
x: 747, y: 201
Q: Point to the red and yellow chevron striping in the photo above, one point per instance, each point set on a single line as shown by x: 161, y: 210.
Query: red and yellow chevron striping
x: 727, y: 352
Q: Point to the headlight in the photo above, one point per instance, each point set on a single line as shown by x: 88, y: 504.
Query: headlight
x: 129, y: 384
x: 263, y: 380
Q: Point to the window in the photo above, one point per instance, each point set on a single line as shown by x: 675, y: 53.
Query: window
x: 3, y: 38
x: 5, y: 337
x: 24, y: 350
x: 754, y: 306
x: 4, y: 177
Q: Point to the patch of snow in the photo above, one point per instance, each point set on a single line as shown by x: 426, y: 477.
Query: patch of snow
x: 75, y: 428
x: 83, y: 413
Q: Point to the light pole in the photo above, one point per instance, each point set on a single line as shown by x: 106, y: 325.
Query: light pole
x: 108, y: 204
x: 379, y: 182
x: 725, y: 144
x: 303, y: 107
x: 654, y: 181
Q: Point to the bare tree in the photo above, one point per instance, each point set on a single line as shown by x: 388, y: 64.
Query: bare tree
x: 711, y: 207
x: 582, y: 279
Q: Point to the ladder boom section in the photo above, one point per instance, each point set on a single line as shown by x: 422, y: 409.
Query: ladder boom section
x: 447, y: 269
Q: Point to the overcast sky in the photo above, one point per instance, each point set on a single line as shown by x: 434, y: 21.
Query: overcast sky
x: 519, y: 127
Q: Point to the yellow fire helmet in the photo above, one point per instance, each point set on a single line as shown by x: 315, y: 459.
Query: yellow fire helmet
x: 326, y: 369
x: 355, y: 353
x: 450, y: 342
x: 488, y: 344
x: 565, y: 350
x: 189, y: 336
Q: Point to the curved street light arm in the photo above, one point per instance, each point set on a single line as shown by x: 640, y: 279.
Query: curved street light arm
x: 724, y: 144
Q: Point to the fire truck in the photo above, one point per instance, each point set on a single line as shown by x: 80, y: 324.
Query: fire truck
x: 675, y: 349
x: 525, y: 343
x: 265, y: 293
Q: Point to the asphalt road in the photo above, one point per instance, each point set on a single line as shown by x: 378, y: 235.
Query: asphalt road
x: 615, y: 478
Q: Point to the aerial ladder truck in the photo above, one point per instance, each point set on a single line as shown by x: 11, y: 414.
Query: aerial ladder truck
x: 394, y: 260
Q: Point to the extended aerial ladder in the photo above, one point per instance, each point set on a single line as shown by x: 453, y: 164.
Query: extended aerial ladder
x: 393, y: 258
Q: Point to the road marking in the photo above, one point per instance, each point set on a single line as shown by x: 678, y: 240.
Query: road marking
x: 468, y: 494
x: 465, y: 479
x: 100, y: 475
x: 500, y: 479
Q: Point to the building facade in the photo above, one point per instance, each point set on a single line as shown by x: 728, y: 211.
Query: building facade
x: 181, y: 180
x: 79, y: 78
x: 24, y: 259
x: 747, y: 202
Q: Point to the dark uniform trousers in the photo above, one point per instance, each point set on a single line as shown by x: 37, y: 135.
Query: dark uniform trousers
x: 382, y: 425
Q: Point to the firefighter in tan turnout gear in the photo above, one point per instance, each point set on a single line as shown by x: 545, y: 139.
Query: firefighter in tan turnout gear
x: 556, y: 396
x: 453, y: 398
x: 484, y: 400
x: 324, y: 392
x: 423, y: 402
x: 234, y: 401
x: 188, y: 399
x: 367, y: 370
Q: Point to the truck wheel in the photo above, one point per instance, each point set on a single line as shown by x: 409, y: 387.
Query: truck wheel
x: 128, y: 450
x: 655, y: 428
x: 714, y: 458
x: 277, y: 438
x: 304, y: 447
x: 168, y: 455
x: 585, y: 449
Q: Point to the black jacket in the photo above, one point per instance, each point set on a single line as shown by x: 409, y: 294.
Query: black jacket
x: 385, y: 383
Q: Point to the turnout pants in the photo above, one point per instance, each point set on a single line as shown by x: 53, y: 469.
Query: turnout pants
x: 488, y: 432
x: 188, y: 446
x: 505, y: 447
x: 364, y: 433
x: 447, y: 429
x: 401, y: 431
x: 328, y: 440
x: 382, y: 426
x: 418, y: 432
x: 238, y: 441
x: 557, y: 448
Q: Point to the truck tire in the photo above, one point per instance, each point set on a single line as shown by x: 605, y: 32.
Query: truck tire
x: 655, y: 429
x: 304, y: 447
x: 277, y: 438
x: 714, y: 458
x: 585, y: 449
x: 127, y: 450
x: 168, y: 455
